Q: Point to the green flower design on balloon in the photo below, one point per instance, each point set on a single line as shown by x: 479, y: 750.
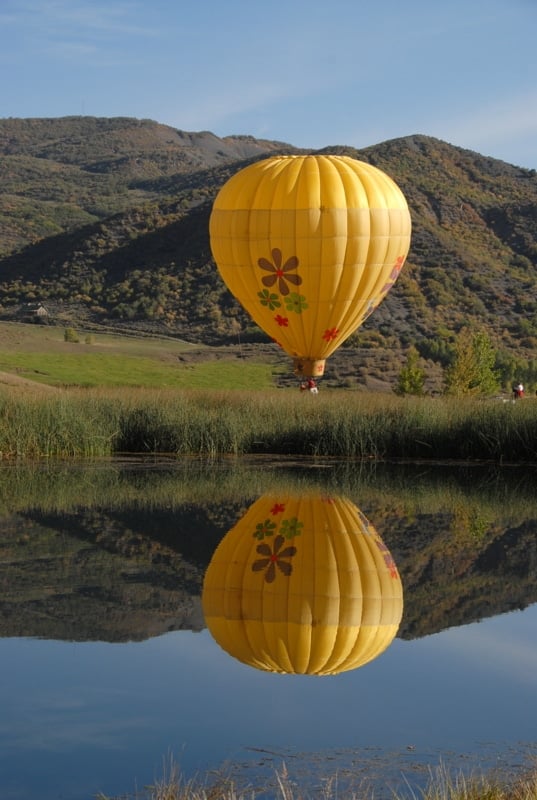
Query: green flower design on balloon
x: 266, y: 528
x: 296, y: 302
x: 291, y: 528
x: 269, y: 299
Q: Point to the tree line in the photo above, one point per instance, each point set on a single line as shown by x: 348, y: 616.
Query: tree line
x: 474, y: 367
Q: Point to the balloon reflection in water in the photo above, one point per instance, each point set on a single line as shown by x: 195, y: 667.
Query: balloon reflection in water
x: 303, y: 584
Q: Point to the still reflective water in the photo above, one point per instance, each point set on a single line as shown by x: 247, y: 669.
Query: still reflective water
x: 108, y: 666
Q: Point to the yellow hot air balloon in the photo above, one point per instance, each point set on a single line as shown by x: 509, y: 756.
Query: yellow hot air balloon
x: 310, y: 245
x: 303, y: 584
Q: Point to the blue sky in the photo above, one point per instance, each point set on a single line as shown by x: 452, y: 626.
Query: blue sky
x: 313, y: 73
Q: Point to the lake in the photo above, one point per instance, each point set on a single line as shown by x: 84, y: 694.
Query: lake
x: 115, y: 581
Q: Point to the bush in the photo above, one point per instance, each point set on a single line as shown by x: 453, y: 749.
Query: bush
x: 70, y: 335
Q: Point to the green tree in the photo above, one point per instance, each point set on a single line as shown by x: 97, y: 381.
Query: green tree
x: 411, y: 378
x: 472, y: 371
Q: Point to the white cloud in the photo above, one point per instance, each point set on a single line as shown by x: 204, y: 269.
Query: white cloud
x: 208, y: 111
x: 59, y: 20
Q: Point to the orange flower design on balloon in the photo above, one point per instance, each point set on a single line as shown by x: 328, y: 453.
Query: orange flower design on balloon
x: 282, y: 274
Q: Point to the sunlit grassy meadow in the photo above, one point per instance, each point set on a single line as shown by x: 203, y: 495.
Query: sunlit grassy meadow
x: 102, y: 369
x: 40, y: 353
x: 131, y: 395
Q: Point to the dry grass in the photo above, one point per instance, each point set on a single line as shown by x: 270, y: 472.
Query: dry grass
x: 441, y: 785
x: 444, y: 785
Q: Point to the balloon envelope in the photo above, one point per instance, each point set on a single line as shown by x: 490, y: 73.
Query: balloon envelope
x: 310, y: 245
x: 303, y: 584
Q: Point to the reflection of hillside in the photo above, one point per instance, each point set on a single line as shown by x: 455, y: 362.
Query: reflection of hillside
x: 458, y: 568
x: 110, y: 575
x: 120, y: 575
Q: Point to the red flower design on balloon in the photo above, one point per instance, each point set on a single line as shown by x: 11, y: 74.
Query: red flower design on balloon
x: 282, y: 274
x: 397, y: 267
x: 283, y: 322
x: 387, y: 556
x: 330, y: 334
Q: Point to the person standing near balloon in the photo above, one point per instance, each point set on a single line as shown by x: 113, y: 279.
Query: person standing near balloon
x: 518, y: 391
x: 309, y: 386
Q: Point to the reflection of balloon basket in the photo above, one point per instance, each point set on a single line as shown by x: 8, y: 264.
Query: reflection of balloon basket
x: 303, y: 585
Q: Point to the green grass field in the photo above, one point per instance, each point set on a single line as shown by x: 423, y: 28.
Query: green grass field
x: 39, y: 353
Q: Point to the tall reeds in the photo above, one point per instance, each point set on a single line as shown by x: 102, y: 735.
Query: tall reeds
x: 81, y: 423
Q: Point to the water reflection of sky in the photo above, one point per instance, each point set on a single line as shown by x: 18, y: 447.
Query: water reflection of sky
x: 94, y: 716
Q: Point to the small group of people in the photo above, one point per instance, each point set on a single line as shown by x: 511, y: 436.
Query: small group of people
x: 518, y: 391
x: 309, y: 386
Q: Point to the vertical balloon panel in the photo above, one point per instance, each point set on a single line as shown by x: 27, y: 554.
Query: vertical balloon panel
x: 303, y: 585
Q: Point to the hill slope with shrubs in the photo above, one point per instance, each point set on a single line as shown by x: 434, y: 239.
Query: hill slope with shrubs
x: 105, y: 221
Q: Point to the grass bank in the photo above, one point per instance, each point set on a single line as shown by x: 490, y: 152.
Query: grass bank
x: 118, y: 394
x: 104, y: 422
x: 101, y: 422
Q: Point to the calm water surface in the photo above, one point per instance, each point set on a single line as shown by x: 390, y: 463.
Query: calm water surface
x: 108, y: 668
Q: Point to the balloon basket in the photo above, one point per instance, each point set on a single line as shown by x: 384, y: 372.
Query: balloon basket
x: 308, y: 368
